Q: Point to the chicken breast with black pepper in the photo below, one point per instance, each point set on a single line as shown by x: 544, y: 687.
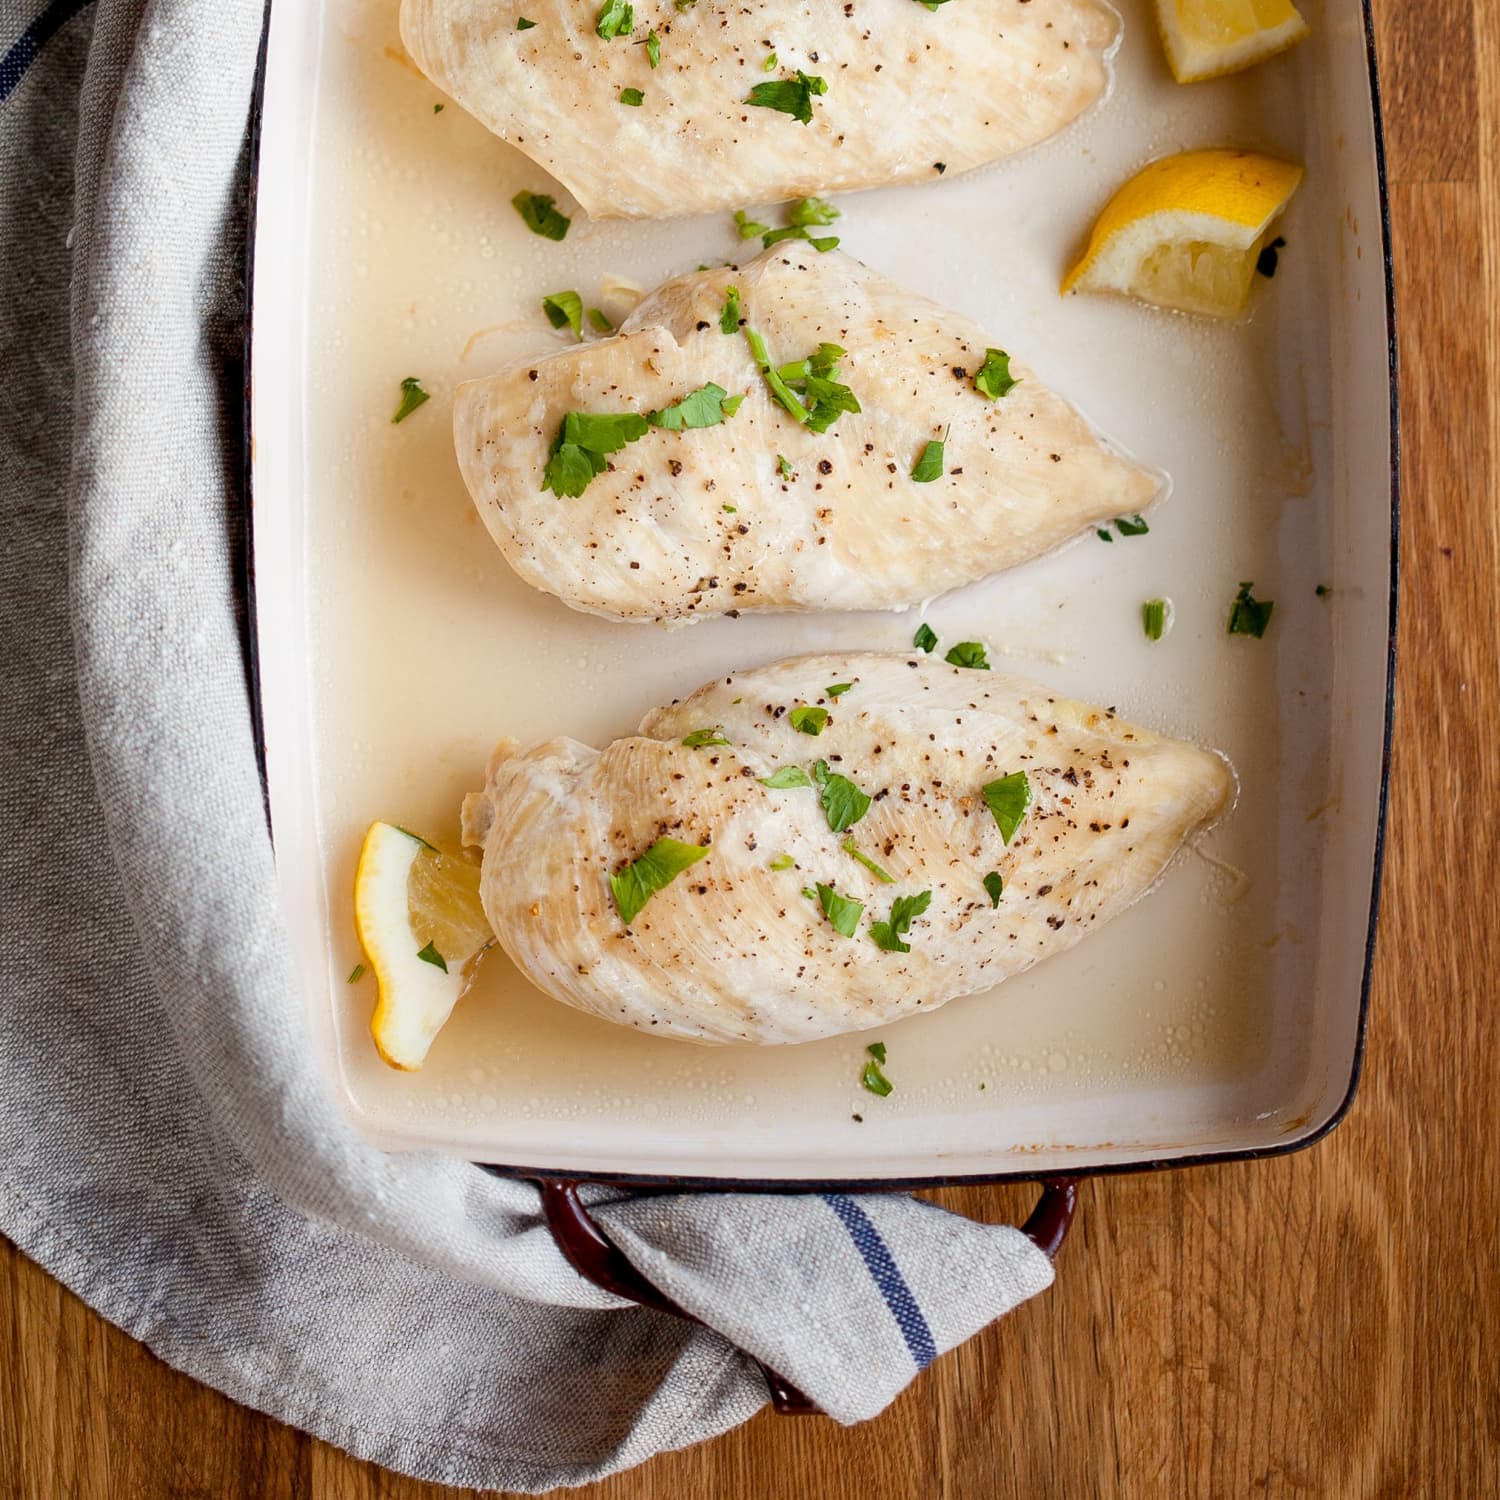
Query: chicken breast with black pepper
x: 958, y: 461
x: 827, y: 844
x: 851, y: 95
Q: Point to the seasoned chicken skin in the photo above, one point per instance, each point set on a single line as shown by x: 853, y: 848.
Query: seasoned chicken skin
x: 733, y: 949
x: 910, y: 93
x: 760, y: 512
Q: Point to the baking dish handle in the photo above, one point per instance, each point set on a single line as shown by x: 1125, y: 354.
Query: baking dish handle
x: 598, y: 1259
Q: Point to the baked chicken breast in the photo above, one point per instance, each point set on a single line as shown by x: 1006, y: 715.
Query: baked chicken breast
x: 827, y: 844
x: 923, y: 457
x: 758, y: 103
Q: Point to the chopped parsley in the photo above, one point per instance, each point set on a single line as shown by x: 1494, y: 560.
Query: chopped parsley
x: 654, y: 871
x: 565, y: 310
x: 993, y: 377
x: 969, y: 654
x: 1269, y: 258
x: 1103, y: 535
x: 1131, y: 525
x: 1249, y: 615
x: 524, y: 25
x: 539, y: 212
x: 708, y: 406
x: 890, y: 935
x: 747, y: 226
x: 580, y: 450
x: 837, y: 689
x: 994, y: 887
x: 700, y: 738
x: 851, y: 848
x: 1154, y: 618
x: 874, y: 1080
x: 1322, y: 591
x: 925, y: 639
x: 769, y: 65
x: 633, y: 97
x: 783, y: 862
x: 843, y: 913
x: 929, y: 464
x: 805, y: 214
x: 600, y: 322
x: 786, y: 777
x: 729, y: 319
x: 356, y: 974
x: 437, y: 109
x: 815, y: 379
x: 1007, y: 799
x: 792, y: 96
x: 808, y: 718
x: 784, y: 468
x: 843, y: 802
x: 653, y: 49
x: 616, y: 18
x: 877, y: 1051
x: 412, y: 396
x: 430, y: 955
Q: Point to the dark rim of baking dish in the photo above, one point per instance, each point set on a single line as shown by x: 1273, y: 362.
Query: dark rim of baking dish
x: 672, y: 1183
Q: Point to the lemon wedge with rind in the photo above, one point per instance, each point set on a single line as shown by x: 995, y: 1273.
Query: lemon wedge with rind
x: 1185, y: 231
x: 1208, y: 38
x: 421, y: 924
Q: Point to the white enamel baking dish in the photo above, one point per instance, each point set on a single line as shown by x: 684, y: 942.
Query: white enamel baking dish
x: 1221, y: 1017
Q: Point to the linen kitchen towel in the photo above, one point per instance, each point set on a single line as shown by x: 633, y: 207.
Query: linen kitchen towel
x: 170, y: 1150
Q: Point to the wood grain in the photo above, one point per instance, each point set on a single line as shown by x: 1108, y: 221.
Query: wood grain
x: 1313, y: 1325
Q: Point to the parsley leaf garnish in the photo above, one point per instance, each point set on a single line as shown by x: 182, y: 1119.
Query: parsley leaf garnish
x: 1007, y: 799
x: 1154, y: 618
x: 969, y: 654
x: 792, y: 96
x: 874, y: 1080
x: 843, y: 802
x: 877, y: 1051
x: 633, y: 97
x: 929, y: 465
x: 843, y: 913
x: 540, y: 214
x: 579, y: 451
x: 412, y: 396
x: 356, y: 974
x: 565, y: 310
x: 524, y: 25
x: 783, y: 862
x: 1131, y: 525
x: 747, y: 226
x: 600, y: 322
x: 653, y: 49
x: 1249, y: 615
x: 616, y: 18
x: 430, y: 955
x: 787, y: 776
x: 993, y: 377
x: 838, y: 689
x: 729, y: 319
x: 654, y: 871
x: 808, y: 718
x: 700, y: 738
x: 850, y: 847
x: 889, y: 935
x: 925, y: 639
x: 994, y: 887
x: 708, y: 406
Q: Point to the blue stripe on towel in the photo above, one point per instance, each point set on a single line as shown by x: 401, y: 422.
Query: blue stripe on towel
x: 24, y: 51
x: 883, y: 1270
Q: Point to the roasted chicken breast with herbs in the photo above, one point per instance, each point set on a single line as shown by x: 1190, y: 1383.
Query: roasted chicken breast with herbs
x: 758, y: 103
x: 827, y: 844
x: 957, y: 462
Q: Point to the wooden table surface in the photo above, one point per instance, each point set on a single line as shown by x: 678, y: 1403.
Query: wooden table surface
x: 1309, y: 1325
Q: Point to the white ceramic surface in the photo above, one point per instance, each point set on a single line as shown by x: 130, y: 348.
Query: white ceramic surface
x: 1221, y: 1014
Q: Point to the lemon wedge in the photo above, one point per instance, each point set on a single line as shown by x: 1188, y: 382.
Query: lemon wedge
x: 1208, y: 38
x: 421, y: 924
x: 1185, y: 231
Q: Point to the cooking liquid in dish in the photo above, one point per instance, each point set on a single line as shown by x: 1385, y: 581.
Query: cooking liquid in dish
x: 426, y: 648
